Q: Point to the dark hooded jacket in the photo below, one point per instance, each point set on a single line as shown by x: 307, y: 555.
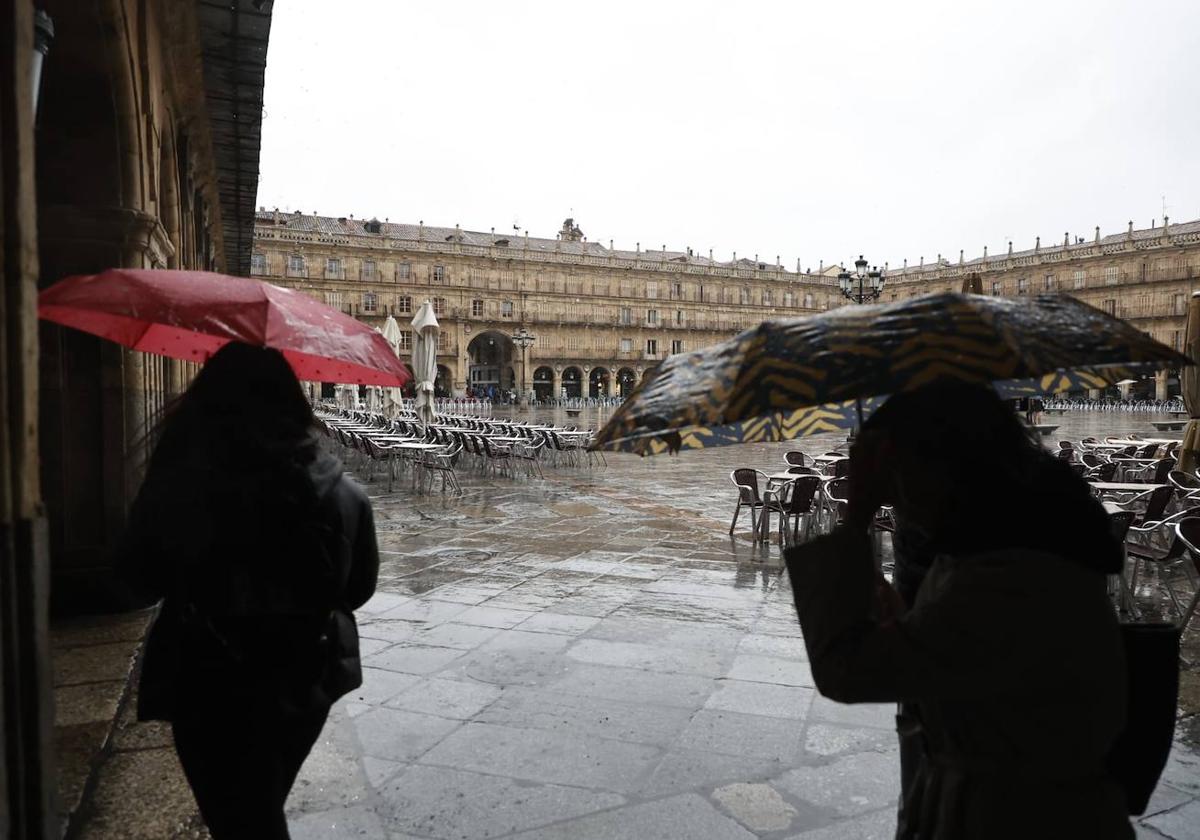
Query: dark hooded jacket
x: 1011, y: 652
x: 259, y: 570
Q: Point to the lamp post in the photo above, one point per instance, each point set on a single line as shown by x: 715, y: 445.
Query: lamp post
x: 862, y: 285
x: 523, y: 338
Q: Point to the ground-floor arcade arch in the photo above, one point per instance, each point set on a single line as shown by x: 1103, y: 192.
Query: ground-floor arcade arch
x: 572, y: 382
x: 543, y: 383
x: 626, y: 380
x: 599, y: 383
x: 490, y: 363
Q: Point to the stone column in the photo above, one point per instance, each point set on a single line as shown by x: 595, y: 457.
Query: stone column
x: 462, y: 380
x: 1160, y: 385
x: 556, y: 390
x: 27, y: 783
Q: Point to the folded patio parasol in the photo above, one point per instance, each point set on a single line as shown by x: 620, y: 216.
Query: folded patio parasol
x: 191, y: 314
x: 786, y: 379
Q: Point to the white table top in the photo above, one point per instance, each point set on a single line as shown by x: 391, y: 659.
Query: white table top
x: 1121, y: 486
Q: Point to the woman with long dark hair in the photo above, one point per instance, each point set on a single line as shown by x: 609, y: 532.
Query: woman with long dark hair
x: 260, y: 549
x: 1005, y: 650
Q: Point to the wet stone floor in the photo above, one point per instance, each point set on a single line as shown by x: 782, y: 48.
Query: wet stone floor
x: 592, y: 656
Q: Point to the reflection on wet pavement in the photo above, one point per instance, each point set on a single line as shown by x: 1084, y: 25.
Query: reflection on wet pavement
x: 592, y: 656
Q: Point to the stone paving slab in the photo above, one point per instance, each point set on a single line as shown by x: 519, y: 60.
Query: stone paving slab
x: 592, y: 656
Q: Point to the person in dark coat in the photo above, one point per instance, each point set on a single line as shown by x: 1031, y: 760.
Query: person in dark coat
x: 260, y: 549
x: 1010, y: 656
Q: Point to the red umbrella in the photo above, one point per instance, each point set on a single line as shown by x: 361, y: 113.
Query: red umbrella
x: 192, y: 314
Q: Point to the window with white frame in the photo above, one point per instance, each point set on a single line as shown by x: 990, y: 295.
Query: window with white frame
x: 676, y: 346
x: 808, y: 300
x: 368, y: 270
x: 1022, y: 285
x: 1078, y: 278
x: 439, y: 274
x: 1051, y: 283
x: 296, y: 267
x: 506, y: 309
x: 370, y: 302
x: 651, y: 347
x: 333, y: 268
x: 767, y: 298
x: 258, y: 263
x: 626, y: 345
x: 1111, y: 275
x: 744, y: 293
x: 677, y: 291
x: 404, y: 305
x: 652, y: 317
x: 404, y: 271
x: 997, y: 287
x: 477, y: 308
x: 333, y: 299
x: 405, y: 339
x: 679, y: 317
x: 789, y: 300
x: 651, y: 289
x: 626, y: 316
x: 439, y: 306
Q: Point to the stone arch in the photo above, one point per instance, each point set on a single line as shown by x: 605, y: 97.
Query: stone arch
x: 443, y: 384
x: 543, y: 382
x: 490, y: 357
x: 626, y: 380
x: 599, y: 383
x: 572, y: 382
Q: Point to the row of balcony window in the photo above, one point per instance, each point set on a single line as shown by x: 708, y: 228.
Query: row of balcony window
x: 297, y: 267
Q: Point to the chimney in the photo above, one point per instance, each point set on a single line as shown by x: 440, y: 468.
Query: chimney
x: 1166, y: 220
x: 906, y: 262
x: 1097, y: 234
x: 985, y: 252
x: 797, y: 265
x: 610, y: 245
x: 960, y: 256
x: 420, y: 230
x: 922, y: 262
x: 1066, y: 239
x: 1037, y: 244
x: 639, y: 247
x: 1129, y: 233
x: 1010, y: 247
x: 821, y: 267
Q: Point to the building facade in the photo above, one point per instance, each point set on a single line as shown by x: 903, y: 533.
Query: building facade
x: 130, y: 138
x: 600, y: 317
x: 1145, y: 277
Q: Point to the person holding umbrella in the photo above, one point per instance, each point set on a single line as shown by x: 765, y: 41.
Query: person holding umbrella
x: 1009, y: 657
x: 260, y: 549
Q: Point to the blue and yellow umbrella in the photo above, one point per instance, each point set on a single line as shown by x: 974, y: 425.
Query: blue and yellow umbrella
x: 787, y: 379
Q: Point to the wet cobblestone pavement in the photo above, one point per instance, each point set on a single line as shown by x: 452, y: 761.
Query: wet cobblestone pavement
x: 592, y: 656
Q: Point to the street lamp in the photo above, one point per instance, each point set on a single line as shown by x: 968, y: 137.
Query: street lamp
x: 862, y: 285
x: 523, y: 338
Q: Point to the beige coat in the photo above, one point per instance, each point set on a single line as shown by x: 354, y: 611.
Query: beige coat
x: 1015, y: 661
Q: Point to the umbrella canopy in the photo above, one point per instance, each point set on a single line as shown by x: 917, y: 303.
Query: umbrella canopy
x: 393, y: 397
x: 425, y: 343
x: 1189, y: 378
x: 191, y: 314
x: 785, y: 379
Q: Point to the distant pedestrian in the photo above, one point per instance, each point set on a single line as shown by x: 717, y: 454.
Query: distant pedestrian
x: 259, y: 548
x: 1003, y: 649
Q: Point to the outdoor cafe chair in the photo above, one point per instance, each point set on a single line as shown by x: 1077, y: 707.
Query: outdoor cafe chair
x: 837, y: 499
x: 1148, y: 451
x: 440, y: 464
x: 1188, y: 532
x: 841, y: 468
x: 527, y: 454
x: 796, y: 458
x: 746, y: 480
x: 1091, y: 460
x: 1187, y: 484
x: 805, y: 471
x: 1155, y: 473
x: 800, y: 502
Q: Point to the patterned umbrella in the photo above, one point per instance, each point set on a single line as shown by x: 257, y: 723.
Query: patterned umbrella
x: 786, y: 379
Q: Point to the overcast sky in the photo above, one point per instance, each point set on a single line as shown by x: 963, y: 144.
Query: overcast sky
x: 811, y: 130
